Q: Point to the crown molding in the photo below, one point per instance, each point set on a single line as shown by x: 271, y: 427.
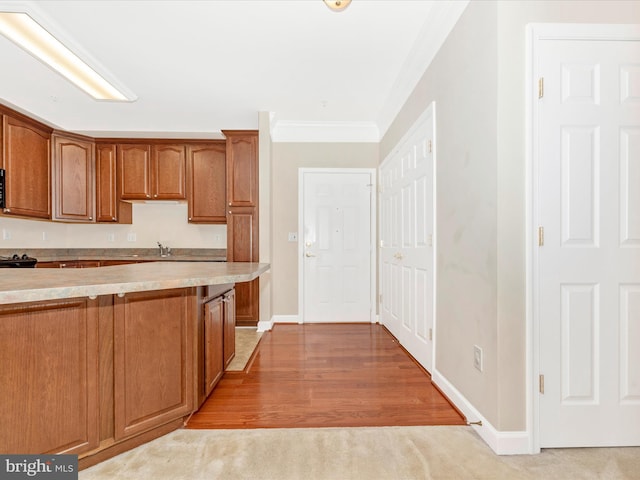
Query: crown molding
x: 285, y: 131
x: 441, y: 19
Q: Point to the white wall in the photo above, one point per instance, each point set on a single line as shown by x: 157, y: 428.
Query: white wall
x: 477, y: 80
x: 287, y: 158
x: 166, y: 223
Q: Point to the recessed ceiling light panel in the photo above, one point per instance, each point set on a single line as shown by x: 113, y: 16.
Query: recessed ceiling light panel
x: 29, y: 35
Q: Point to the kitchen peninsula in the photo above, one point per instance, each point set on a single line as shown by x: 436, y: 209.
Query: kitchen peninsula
x: 97, y: 361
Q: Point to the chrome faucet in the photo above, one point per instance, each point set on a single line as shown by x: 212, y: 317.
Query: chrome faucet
x: 164, y: 251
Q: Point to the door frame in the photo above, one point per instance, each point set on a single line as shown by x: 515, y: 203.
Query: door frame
x: 372, y: 234
x: 535, y: 34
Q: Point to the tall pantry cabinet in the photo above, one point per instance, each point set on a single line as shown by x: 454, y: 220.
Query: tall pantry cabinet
x: 242, y: 217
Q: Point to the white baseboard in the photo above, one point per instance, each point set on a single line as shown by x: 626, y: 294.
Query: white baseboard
x: 264, y: 326
x: 501, y: 442
x: 286, y: 319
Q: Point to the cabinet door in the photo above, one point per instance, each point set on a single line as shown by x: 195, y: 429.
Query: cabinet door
x: 106, y: 199
x: 28, y: 172
x: 206, y: 183
x: 229, y: 327
x: 213, y: 338
x: 49, y: 377
x: 242, y: 246
x: 168, y: 172
x: 153, y: 349
x: 242, y: 168
x: 109, y: 208
x: 73, y: 179
x: 134, y: 171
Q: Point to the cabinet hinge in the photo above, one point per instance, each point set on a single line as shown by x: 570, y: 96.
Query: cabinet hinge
x: 540, y: 236
x: 541, y: 384
x: 541, y: 87
x: 431, y: 334
x: 380, y: 298
x: 430, y: 147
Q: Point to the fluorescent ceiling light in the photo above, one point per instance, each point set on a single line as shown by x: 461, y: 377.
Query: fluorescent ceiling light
x: 24, y: 31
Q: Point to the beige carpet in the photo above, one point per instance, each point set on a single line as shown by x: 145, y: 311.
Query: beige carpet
x: 247, y: 339
x: 395, y: 453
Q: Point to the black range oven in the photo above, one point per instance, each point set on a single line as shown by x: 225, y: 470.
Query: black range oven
x: 18, y: 261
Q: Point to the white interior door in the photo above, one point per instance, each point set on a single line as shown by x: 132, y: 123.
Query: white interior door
x: 588, y: 266
x: 337, y: 245
x: 406, y: 241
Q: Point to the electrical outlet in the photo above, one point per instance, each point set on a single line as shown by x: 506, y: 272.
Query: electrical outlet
x: 6, y: 234
x: 44, y: 236
x: 477, y: 357
x: 111, y: 237
x: 131, y: 237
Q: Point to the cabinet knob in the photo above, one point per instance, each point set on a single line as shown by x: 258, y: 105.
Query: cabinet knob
x: 7, y: 210
x: 155, y: 196
x: 113, y: 218
x: 229, y: 203
x: 189, y: 218
x: 90, y: 218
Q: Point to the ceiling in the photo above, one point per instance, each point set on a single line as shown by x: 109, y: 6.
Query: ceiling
x: 198, y: 67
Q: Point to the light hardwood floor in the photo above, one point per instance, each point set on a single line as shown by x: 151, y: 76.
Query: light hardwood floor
x: 326, y: 375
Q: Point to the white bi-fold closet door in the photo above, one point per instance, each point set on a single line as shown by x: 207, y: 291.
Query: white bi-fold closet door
x: 407, y: 240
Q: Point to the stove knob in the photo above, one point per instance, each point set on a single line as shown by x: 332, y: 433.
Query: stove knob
x: 25, y: 256
x: 15, y: 257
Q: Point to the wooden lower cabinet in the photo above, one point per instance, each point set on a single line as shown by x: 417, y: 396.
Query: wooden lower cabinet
x: 49, y: 377
x: 242, y: 246
x: 213, y: 341
x: 97, y: 377
x: 69, y: 264
x: 153, y: 348
x: 229, y: 337
x: 216, y: 337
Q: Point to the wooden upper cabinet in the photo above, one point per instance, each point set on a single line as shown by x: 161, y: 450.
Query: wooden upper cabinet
x: 242, y: 217
x: 152, y: 172
x: 134, y: 171
x: 73, y: 183
x: 168, y: 175
x: 242, y: 168
x: 206, y: 184
x: 26, y: 159
x: 106, y: 196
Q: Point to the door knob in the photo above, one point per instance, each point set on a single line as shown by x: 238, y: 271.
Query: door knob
x: 309, y: 254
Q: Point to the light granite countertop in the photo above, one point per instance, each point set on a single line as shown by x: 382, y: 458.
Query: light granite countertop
x: 133, y: 254
x: 20, y: 285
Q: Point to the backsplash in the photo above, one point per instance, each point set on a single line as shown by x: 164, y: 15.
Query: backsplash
x: 152, y: 223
